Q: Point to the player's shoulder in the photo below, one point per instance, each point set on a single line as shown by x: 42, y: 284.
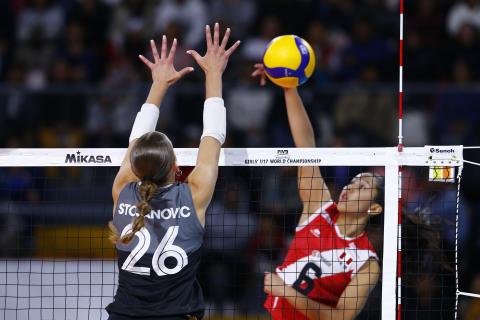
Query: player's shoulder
x: 129, y: 189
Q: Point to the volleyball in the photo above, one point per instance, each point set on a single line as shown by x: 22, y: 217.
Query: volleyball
x: 289, y: 61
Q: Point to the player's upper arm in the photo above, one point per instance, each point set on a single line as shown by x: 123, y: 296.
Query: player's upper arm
x: 124, y: 176
x: 203, y: 178
x: 355, y: 296
x: 313, y: 190
x: 312, y: 187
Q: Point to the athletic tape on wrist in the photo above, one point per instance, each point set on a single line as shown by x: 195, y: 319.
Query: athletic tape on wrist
x: 146, y: 121
x: 214, y: 119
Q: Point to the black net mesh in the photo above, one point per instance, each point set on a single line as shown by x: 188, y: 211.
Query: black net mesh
x: 428, y: 245
x: 57, y: 263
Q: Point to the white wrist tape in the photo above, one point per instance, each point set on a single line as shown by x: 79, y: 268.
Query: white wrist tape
x: 146, y: 121
x: 214, y: 119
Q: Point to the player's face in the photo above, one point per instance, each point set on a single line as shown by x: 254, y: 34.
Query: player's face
x: 358, y: 195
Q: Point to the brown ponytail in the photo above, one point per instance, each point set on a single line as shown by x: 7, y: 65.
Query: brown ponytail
x: 147, y: 191
x: 152, y: 159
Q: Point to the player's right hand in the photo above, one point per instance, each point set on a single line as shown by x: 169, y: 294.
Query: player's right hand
x: 260, y: 72
x: 163, y: 71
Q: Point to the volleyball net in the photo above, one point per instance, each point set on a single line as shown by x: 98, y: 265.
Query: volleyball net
x: 56, y: 261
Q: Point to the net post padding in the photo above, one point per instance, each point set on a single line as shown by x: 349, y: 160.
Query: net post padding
x: 390, y: 238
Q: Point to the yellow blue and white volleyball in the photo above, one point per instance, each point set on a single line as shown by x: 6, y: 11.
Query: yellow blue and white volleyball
x: 289, y: 61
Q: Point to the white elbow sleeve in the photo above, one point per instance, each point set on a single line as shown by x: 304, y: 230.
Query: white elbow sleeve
x: 214, y: 119
x: 146, y: 121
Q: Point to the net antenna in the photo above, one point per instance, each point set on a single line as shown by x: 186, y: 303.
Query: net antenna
x: 400, y: 82
x: 400, y: 149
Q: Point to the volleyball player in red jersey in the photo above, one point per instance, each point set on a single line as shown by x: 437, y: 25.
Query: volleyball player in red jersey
x: 331, y: 266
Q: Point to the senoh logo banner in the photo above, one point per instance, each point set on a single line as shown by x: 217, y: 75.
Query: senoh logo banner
x: 441, y: 151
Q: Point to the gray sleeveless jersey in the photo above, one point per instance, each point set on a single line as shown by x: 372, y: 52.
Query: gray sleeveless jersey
x: 158, y: 267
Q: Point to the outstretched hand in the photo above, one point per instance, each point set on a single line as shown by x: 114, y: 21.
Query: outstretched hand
x: 260, y: 72
x: 163, y: 71
x: 216, y: 58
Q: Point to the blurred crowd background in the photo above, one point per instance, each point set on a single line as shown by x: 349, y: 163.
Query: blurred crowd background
x: 70, y: 77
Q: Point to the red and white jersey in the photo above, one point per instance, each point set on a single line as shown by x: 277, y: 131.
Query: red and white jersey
x: 320, y: 262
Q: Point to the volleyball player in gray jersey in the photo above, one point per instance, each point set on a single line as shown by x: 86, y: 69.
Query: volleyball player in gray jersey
x: 158, y: 223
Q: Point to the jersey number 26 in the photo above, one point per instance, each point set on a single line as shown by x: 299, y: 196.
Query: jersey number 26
x: 166, y: 249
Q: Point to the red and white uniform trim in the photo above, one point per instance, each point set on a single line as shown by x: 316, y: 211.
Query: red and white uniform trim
x: 320, y: 262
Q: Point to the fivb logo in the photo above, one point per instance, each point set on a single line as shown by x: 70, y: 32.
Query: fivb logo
x: 82, y: 158
x: 282, y: 153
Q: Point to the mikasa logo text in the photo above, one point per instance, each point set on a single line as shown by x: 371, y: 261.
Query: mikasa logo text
x: 81, y: 158
x: 166, y: 214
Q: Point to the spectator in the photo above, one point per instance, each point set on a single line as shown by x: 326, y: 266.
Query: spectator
x: 130, y: 24
x: 266, y: 249
x: 456, y: 112
x: 444, y: 206
x: 19, y: 108
x: 473, y: 311
x: 327, y: 45
x: 420, y: 58
x: 428, y: 19
x: 106, y: 118
x: 392, y: 5
x: 463, y: 12
x: 7, y: 35
x: 42, y: 19
x: 95, y: 17
x: 366, y: 48
x: 366, y: 117
x: 238, y: 14
x: 39, y: 26
x: 279, y: 191
x: 228, y: 226
x: 337, y: 14
x: 465, y: 46
x: 254, y: 46
x: 191, y: 15
x: 249, y: 107
x: 84, y: 63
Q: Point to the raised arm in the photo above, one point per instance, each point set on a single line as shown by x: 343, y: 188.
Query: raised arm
x: 203, y: 178
x: 163, y: 76
x: 312, y: 188
x: 349, y: 305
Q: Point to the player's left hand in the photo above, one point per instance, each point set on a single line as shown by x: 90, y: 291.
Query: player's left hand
x: 163, y: 71
x: 274, y: 285
x: 216, y: 58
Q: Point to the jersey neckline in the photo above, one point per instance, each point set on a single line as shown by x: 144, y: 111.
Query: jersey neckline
x: 332, y: 221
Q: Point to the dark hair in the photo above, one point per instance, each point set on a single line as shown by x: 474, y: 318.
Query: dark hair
x: 152, y: 159
x: 421, y: 238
